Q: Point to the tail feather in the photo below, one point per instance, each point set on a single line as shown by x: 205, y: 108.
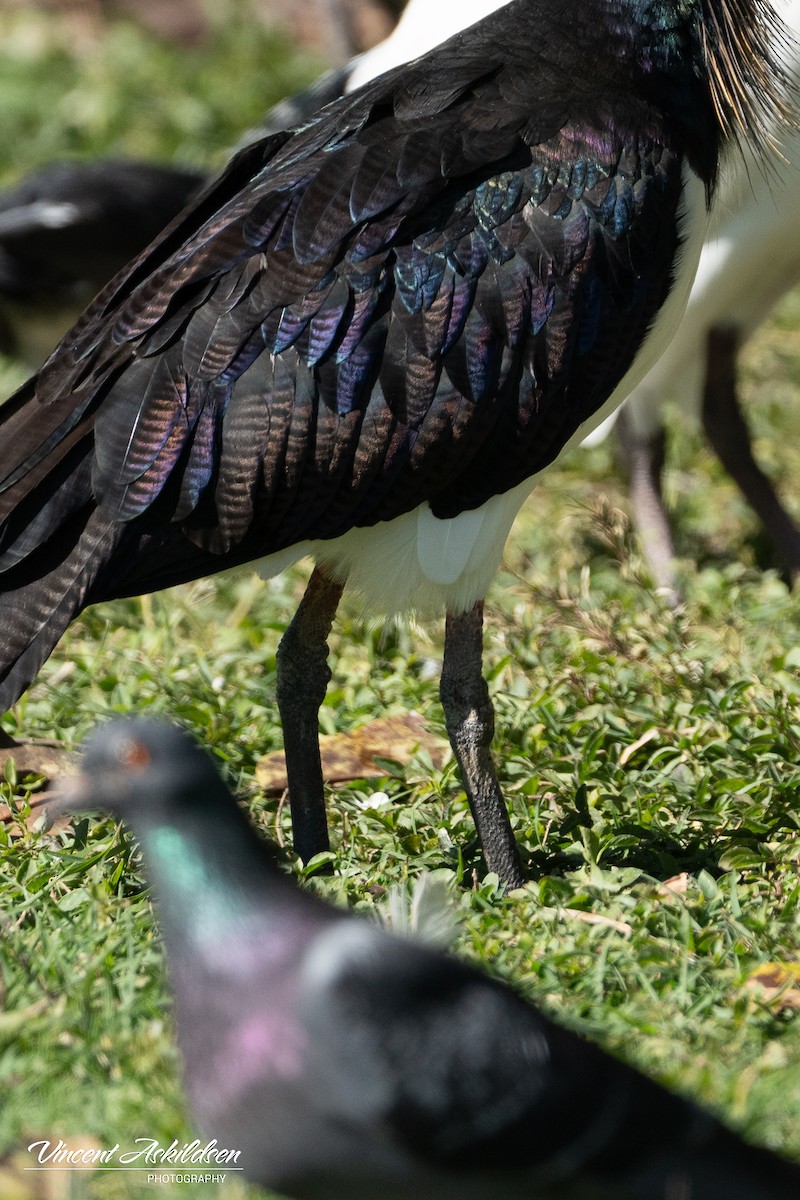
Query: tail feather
x: 42, y: 601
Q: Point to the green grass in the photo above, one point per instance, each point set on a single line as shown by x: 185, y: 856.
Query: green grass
x: 130, y: 94
x: 585, y: 663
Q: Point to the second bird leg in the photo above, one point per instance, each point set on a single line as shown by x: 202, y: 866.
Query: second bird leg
x: 728, y: 433
x: 642, y: 455
x: 469, y: 718
x: 303, y: 676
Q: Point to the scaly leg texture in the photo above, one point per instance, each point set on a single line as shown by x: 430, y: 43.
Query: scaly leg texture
x: 303, y: 676
x: 469, y: 718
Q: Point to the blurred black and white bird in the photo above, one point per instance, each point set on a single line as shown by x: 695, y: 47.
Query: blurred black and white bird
x: 346, y: 1063
x: 65, y: 230
x: 367, y: 339
x: 423, y: 24
x: 751, y: 258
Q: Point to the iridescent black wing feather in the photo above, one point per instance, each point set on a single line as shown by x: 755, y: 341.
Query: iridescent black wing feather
x: 416, y: 297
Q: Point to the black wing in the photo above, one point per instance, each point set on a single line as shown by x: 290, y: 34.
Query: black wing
x: 417, y: 296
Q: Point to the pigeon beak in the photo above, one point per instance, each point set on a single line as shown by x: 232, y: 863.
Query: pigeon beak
x: 72, y: 793
x: 85, y: 792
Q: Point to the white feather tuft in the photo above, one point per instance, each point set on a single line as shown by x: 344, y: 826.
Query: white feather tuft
x: 424, y: 910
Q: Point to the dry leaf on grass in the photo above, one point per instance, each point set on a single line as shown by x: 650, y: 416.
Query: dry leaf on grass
x: 36, y: 758
x: 630, y: 750
x: 588, y: 918
x: 19, y: 1182
x: 14, y: 1185
x: 347, y: 756
x: 674, y: 887
x: 14, y: 1022
x: 776, y: 982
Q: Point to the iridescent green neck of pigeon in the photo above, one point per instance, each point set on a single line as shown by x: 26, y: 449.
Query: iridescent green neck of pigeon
x: 204, y: 874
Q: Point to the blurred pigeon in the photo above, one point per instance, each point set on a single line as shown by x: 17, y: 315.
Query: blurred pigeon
x: 349, y: 1064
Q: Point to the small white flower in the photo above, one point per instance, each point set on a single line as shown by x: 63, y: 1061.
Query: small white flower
x: 375, y: 800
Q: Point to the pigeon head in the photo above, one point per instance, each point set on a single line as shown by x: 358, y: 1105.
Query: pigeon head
x: 140, y: 769
x: 200, y: 849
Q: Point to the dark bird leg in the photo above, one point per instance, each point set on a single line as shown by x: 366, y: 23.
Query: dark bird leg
x: 727, y: 432
x: 642, y: 456
x: 469, y: 718
x: 303, y: 676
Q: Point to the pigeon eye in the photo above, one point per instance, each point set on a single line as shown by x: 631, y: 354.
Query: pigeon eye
x: 134, y: 755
